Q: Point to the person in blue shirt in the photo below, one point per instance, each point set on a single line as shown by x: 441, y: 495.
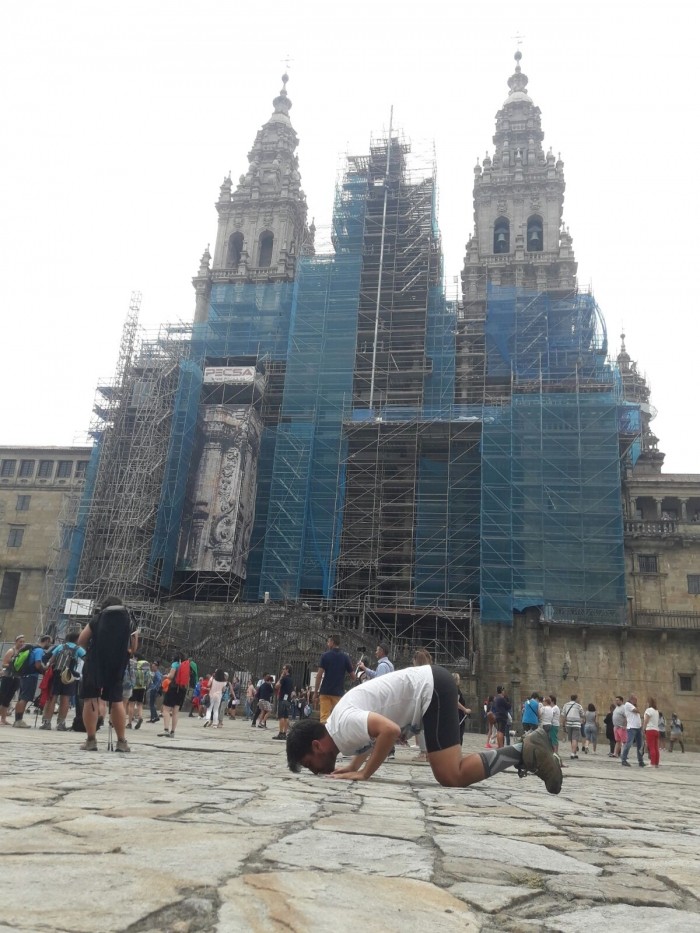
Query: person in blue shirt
x: 154, y: 690
x: 330, y: 676
x: 29, y: 682
x: 531, y: 713
x: 60, y: 689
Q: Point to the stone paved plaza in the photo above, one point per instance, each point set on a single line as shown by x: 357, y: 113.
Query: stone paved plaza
x: 211, y: 832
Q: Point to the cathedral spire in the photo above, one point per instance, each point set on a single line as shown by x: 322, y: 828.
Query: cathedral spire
x: 262, y: 218
x: 282, y: 103
x: 517, y: 81
x: 518, y: 204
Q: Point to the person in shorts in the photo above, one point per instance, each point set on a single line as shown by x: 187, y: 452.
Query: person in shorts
x: 29, y: 682
x: 63, y: 688
x: 371, y: 718
x: 9, y: 682
x: 572, y: 714
x: 285, y: 688
x: 266, y: 691
x: 619, y: 720
x: 174, y: 699
x: 108, y: 638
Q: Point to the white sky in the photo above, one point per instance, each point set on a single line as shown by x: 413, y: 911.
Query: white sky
x: 121, y: 119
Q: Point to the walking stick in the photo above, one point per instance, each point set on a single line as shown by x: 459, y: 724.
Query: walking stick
x: 110, y: 744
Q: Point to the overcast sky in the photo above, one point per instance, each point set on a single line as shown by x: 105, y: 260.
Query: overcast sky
x: 121, y: 119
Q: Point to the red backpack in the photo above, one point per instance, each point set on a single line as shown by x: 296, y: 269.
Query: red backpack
x: 182, y: 675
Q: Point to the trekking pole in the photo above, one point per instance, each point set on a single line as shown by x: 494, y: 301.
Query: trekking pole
x: 110, y: 745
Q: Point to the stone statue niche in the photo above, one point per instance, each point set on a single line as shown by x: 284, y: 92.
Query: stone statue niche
x: 224, y: 491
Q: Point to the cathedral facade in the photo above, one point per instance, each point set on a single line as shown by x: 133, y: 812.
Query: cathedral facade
x: 334, y: 435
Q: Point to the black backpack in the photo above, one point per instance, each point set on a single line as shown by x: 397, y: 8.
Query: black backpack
x: 66, y: 660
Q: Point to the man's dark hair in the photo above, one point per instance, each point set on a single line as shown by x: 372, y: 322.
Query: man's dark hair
x: 73, y: 635
x: 574, y: 696
x: 621, y: 699
x: 45, y: 638
x: 499, y: 689
x: 335, y: 639
x: 534, y: 696
x: 383, y: 648
x: 552, y: 698
x: 111, y: 601
x: 299, y: 741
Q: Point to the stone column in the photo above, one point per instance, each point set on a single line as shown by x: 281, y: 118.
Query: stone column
x: 684, y: 510
x: 658, y: 506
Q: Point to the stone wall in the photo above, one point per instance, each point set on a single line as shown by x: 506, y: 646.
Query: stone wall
x: 594, y: 662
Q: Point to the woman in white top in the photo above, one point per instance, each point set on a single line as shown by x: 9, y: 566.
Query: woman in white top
x: 216, y: 689
x: 546, y: 712
x: 651, y: 730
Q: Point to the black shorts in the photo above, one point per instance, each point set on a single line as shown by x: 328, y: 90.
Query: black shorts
x: 441, y: 719
x: 175, y: 696
x: 8, y: 687
x: 112, y: 693
x: 59, y: 689
x: 137, y: 694
x: 284, y: 708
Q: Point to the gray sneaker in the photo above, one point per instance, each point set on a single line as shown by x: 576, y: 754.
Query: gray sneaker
x: 45, y: 725
x: 122, y: 746
x: 89, y: 745
x: 21, y: 724
x: 61, y: 727
x: 539, y: 759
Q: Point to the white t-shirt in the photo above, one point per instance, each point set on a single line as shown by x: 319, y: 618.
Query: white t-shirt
x: 653, y: 715
x: 556, y: 715
x: 634, y: 720
x: 402, y: 696
x: 546, y: 715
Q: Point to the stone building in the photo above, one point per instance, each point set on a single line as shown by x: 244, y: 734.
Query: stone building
x: 39, y: 491
x: 334, y: 437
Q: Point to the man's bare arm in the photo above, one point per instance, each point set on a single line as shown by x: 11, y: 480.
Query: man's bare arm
x: 385, y: 733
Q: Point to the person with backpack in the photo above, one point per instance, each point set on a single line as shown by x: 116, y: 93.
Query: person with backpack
x: 183, y: 674
x: 108, y: 637
x: 66, y: 663
x: 142, y: 681
x: 27, y: 664
x: 9, y: 681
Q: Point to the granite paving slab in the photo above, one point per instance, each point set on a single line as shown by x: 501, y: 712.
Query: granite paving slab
x: 214, y: 833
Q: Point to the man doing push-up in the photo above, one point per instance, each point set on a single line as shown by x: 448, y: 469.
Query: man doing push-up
x: 370, y: 719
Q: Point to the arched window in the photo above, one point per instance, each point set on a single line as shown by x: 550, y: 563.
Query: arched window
x: 535, y: 242
x: 235, y: 248
x: 265, y: 249
x: 501, y: 236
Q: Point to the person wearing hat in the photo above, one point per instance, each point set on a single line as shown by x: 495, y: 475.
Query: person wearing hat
x: 67, y: 662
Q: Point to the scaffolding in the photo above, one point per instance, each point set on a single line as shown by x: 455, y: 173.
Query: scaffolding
x: 132, y: 427
x: 551, y: 509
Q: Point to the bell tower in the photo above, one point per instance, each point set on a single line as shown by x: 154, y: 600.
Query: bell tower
x: 518, y: 205
x: 519, y: 239
x: 262, y: 221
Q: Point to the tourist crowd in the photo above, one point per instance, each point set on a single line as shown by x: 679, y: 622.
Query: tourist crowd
x: 99, y: 672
